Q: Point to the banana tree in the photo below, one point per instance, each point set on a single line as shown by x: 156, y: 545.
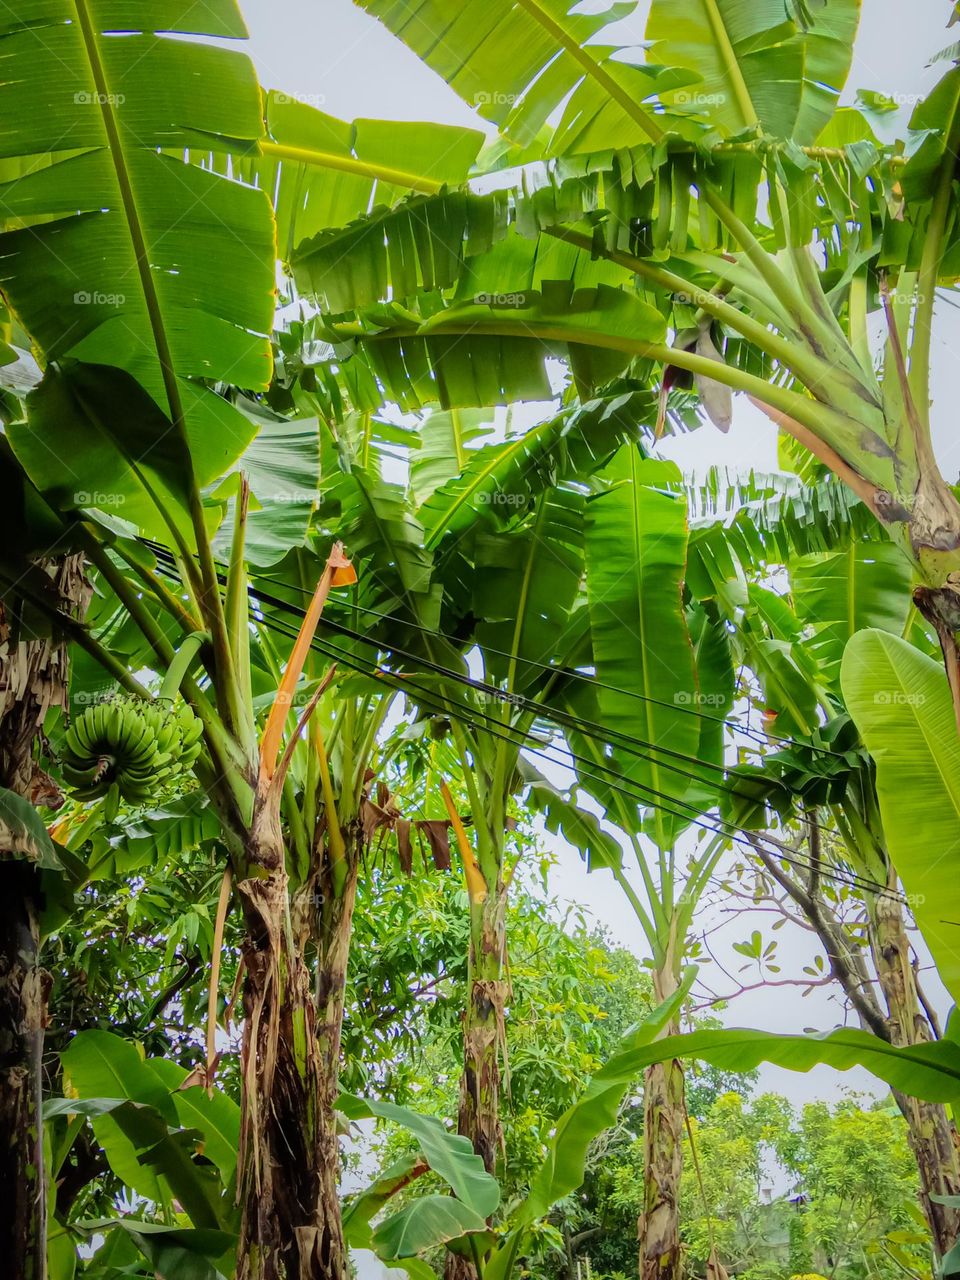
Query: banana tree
x: 664, y: 682
x: 490, y: 517
x: 823, y: 783
x: 33, y: 681
x: 766, y: 220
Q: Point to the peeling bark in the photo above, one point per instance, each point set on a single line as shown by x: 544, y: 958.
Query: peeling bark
x: 483, y: 1035
x: 289, y: 1158
x: 33, y: 679
x: 664, y: 1108
x: 931, y: 1134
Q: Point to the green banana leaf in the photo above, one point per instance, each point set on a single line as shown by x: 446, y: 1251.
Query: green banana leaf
x: 901, y: 704
x: 636, y: 550
x: 867, y: 585
x: 755, y: 65
x: 116, y: 251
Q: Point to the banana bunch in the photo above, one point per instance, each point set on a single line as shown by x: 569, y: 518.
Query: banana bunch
x: 128, y: 749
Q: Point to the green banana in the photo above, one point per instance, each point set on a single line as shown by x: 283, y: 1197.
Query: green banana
x: 129, y: 750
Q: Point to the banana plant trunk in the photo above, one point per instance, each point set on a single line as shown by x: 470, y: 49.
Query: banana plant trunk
x: 33, y: 679
x: 931, y: 1133
x: 483, y: 1032
x: 289, y: 1160
x: 658, y: 1227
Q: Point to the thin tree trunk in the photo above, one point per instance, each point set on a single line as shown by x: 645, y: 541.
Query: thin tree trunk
x: 658, y: 1227
x: 333, y: 953
x: 931, y: 1133
x: 483, y: 1032
x: 33, y: 679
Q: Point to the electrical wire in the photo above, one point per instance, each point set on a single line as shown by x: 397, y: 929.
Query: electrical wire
x: 681, y: 709
x: 537, y: 709
x: 429, y: 698
x: 402, y: 683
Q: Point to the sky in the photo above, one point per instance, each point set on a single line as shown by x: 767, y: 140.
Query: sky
x: 338, y: 58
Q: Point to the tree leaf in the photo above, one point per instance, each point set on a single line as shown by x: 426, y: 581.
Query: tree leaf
x: 22, y: 832
x: 428, y: 1222
x: 900, y: 702
x: 125, y: 255
x: 636, y: 550
x: 448, y: 1154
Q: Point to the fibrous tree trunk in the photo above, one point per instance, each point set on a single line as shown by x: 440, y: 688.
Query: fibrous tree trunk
x: 664, y: 1109
x: 33, y: 679
x: 901, y: 1021
x: 931, y: 1133
x: 483, y: 1033
x: 289, y: 1160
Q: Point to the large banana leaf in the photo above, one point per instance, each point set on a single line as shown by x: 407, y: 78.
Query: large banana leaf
x: 495, y: 483
x: 450, y: 1155
x: 392, y: 252
x: 755, y: 66
x: 448, y: 440
x: 902, y: 707
x: 282, y: 465
x: 517, y: 63
x: 430, y: 1220
x: 130, y: 1109
x: 867, y: 585
x: 479, y: 353
x: 739, y: 527
x: 525, y: 583
x: 647, y: 684
x: 323, y: 172
x: 117, y: 252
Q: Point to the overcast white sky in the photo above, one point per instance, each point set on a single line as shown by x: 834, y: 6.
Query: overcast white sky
x: 339, y: 58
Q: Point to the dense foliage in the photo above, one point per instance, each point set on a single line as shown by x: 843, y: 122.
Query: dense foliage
x: 315, y: 656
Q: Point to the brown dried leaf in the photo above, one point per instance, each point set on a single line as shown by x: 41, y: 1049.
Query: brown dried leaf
x: 437, y: 833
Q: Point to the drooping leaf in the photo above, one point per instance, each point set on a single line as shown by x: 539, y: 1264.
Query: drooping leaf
x: 902, y: 707
x: 427, y: 1222
x: 448, y: 1154
x: 756, y: 66
x: 175, y: 1253
x: 282, y: 465
x: 22, y: 832
x: 122, y: 253
x: 528, y: 61
x: 322, y: 172
x: 361, y: 1209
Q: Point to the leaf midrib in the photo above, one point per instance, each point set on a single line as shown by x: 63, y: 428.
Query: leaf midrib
x: 730, y: 62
